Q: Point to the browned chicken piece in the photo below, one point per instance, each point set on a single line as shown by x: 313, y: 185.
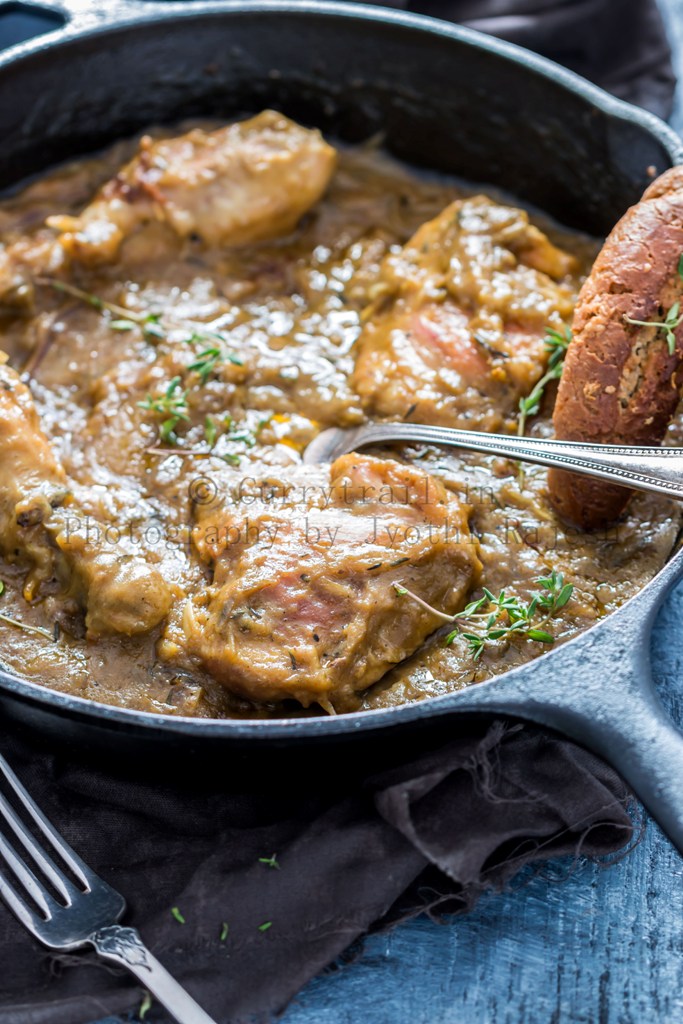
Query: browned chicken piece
x: 304, y: 605
x: 239, y: 184
x: 455, y: 335
x: 41, y: 526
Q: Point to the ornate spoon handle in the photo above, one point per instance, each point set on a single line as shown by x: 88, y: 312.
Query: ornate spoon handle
x: 645, y: 469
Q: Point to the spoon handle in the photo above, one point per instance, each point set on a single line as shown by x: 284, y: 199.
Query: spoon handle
x: 645, y: 469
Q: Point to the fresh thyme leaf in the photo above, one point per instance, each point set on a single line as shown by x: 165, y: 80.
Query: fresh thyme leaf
x: 225, y: 928
x: 240, y: 435
x: 206, y: 363
x: 177, y: 915
x: 213, y: 355
x: 151, y: 327
x: 541, y: 636
x: 210, y: 431
x: 680, y: 266
x: 265, y: 926
x: 122, y: 325
x: 556, y: 343
x: 270, y: 861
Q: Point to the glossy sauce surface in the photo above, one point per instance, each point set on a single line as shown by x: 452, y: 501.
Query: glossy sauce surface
x: 293, y: 311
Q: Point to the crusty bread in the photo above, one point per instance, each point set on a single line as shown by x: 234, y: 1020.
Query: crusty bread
x: 620, y: 384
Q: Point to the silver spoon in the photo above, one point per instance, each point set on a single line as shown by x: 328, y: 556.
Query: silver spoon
x: 646, y: 469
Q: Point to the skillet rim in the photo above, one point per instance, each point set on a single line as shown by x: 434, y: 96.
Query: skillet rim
x: 323, y: 726
x: 79, y: 27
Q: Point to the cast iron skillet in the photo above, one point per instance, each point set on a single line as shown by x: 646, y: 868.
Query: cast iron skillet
x: 446, y: 98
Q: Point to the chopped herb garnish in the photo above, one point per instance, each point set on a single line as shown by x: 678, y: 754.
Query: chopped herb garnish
x: 210, y: 431
x: 238, y: 434
x: 145, y: 1006
x: 672, y: 319
x: 171, y: 406
x: 206, y: 363
x: 271, y: 862
x: 151, y: 326
x: 556, y: 344
x: 225, y: 928
x: 493, y: 618
x: 177, y: 915
x: 265, y: 926
x: 213, y: 355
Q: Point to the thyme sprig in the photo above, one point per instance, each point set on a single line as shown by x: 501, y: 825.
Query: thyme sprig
x: 24, y: 626
x: 673, y: 318
x: 556, y: 343
x: 171, y: 406
x: 492, y: 617
x: 153, y: 330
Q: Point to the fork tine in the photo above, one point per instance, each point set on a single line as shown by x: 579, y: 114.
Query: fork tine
x: 16, y: 904
x: 80, y: 870
x: 27, y: 878
x: 30, y: 844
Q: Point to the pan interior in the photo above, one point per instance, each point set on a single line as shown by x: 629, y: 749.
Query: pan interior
x: 452, y: 111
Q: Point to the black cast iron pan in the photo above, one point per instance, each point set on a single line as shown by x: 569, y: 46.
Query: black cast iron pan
x: 445, y: 98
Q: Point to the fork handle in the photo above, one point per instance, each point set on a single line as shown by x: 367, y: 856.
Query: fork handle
x: 125, y: 947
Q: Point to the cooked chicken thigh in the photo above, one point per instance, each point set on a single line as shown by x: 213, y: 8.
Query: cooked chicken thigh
x: 233, y: 186
x: 41, y: 525
x: 461, y: 313
x: 304, y: 602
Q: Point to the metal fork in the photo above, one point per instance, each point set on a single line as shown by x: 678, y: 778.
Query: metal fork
x: 76, y: 909
x: 645, y: 469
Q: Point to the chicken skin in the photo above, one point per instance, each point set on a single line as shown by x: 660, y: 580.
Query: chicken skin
x: 41, y: 526
x: 233, y: 186
x: 310, y: 600
x: 456, y: 334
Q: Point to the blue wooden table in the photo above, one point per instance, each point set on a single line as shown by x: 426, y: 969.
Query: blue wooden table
x: 575, y: 944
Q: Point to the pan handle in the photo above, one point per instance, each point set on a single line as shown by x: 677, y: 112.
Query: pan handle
x: 26, y: 23
x: 636, y: 736
x: 598, y: 690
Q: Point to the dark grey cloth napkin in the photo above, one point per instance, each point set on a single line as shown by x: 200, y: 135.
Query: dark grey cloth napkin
x: 428, y: 837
